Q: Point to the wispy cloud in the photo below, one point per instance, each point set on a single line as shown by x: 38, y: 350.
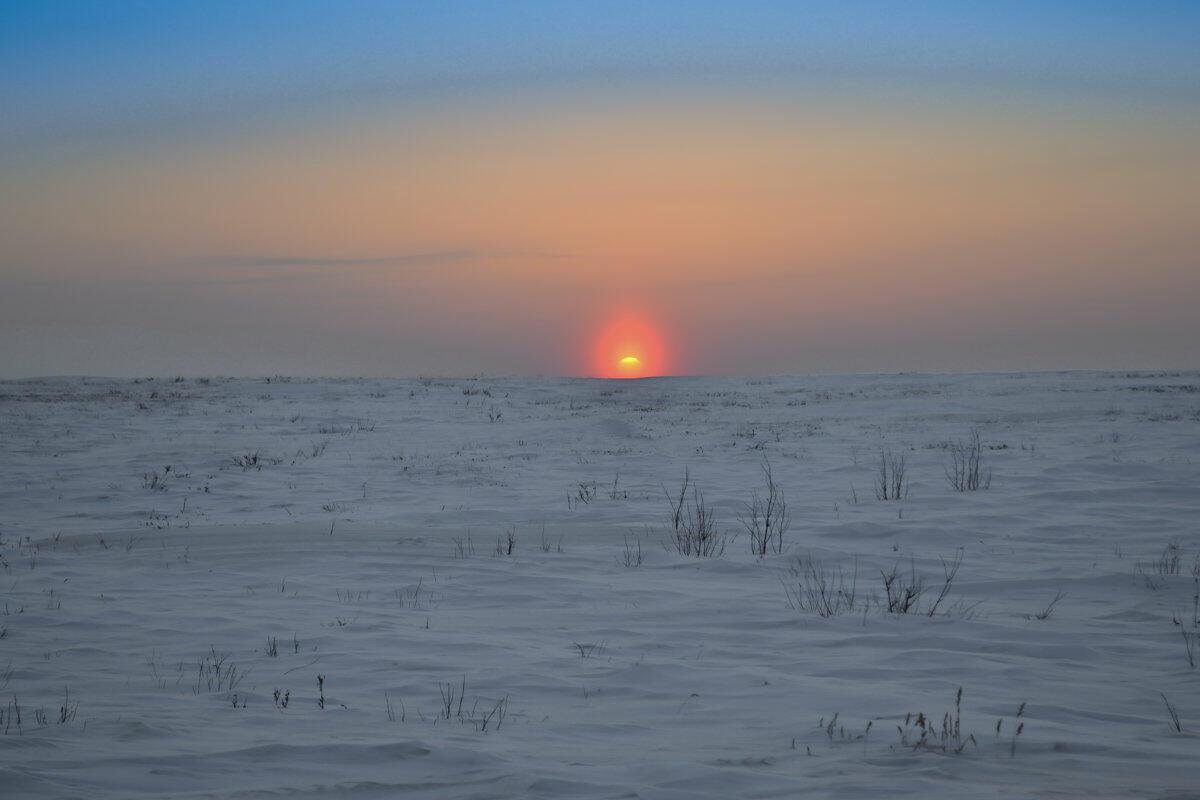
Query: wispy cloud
x: 400, y: 260
x: 271, y: 269
x: 418, y: 259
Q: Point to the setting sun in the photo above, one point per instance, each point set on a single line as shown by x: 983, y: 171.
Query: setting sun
x: 630, y: 346
x: 630, y: 367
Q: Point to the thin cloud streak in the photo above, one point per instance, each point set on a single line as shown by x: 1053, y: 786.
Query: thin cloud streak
x: 301, y: 267
x: 437, y: 257
x: 402, y: 259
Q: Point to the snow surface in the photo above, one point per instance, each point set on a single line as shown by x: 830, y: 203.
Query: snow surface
x: 679, y: 678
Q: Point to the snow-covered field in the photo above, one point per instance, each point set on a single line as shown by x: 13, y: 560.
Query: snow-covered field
x: 161, y: 537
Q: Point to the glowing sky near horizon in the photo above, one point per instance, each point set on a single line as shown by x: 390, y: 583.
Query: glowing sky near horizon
x: 547, y: 188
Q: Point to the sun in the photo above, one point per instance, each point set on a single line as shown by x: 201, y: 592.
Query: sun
x: 630, y: 345
x: 629, y: 366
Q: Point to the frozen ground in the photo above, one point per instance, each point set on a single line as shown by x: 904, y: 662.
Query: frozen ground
x: 135, y: 548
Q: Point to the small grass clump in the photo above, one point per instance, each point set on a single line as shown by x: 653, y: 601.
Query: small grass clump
x: 766, y: 519
x: 965, y: 472
x: 692, y: 529
x: 215, y: 674
x: 822, y: 590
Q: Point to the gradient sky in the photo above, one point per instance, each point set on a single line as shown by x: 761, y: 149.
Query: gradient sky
x: 455, y: 188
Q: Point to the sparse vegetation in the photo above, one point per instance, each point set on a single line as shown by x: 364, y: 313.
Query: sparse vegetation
x: 547, y: 544
x: 631, y: 553
x: 589, y: 649
x: 693, y: 529
x: 616, y: 493
x: 1190, y: 629
x: 903, y: 592
x: 156, y: 481
x: 823, y: 591
x: 1046, y: 612
x: 452, y: 696
x: 920, y: 732
x: 216, y: 674
x: 507, y: 545
x: 1170, y: 561
x: 451, y: 708
x: 766, y: 519
x: 891, y: 476
x: 965, y: 471
x: 248, y: 461
x: 1176, y: 725
x: 391, y: 711
x: 464, y: 546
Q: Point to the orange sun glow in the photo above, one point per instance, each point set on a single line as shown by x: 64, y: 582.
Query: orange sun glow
x: 629, y: 347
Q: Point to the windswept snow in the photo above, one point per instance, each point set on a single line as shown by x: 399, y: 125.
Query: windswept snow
x: 161, y: 538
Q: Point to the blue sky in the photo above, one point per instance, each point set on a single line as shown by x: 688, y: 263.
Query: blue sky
x: 76, y: 69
